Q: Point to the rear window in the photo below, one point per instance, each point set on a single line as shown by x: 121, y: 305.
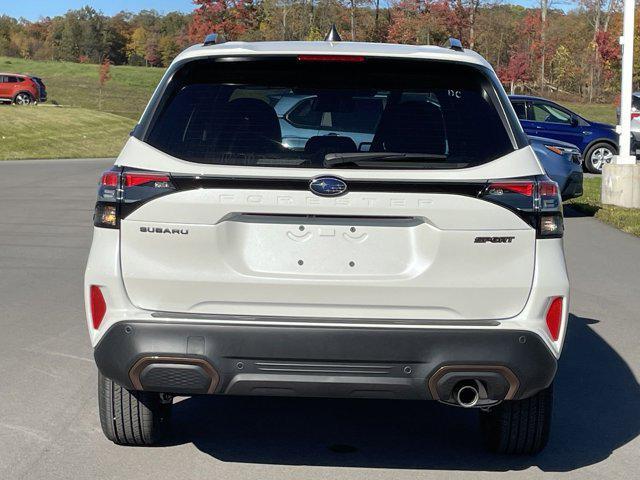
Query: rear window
x: 423, y: 114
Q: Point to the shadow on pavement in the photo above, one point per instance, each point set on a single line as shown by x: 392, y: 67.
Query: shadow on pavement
x: 579, y: 210
x: 597, y: 400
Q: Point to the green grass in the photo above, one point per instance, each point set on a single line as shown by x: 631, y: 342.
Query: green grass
x: 77, y: 85
x: 597, y: 112
x: 626, y: 219
x: 56, y: 132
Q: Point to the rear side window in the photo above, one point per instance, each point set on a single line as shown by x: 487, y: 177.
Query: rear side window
x: 520, y: 109
x: 305, y: 115
x: 545, y: 112
x: 636, y: 102
x: 221, y: 112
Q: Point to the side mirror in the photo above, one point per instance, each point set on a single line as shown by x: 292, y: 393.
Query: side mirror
x: 575, y: 122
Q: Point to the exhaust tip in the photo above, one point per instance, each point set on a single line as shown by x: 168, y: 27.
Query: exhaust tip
x: 466, y: 395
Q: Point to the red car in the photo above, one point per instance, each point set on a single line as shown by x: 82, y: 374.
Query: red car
x: 21, y: 89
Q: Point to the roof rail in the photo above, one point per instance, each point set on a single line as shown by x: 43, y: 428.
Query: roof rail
x: 213, y: 39
x: 454, y: 44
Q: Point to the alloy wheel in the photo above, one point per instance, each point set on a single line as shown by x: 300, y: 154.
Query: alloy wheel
x: 23, y: 99
x: 600, y: 156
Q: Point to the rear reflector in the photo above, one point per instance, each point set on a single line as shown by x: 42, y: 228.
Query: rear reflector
x: 554, y: 317
x: 98, y: 306
x: 330, y: 58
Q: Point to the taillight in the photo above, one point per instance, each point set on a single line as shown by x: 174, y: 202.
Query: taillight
x: 121, y: 191
x: 98, y: 306
x: 536, y: 201
x: 635, y: 115
x: 554, y: 317
x: 110, y: 179
x: 522, y: 188
x: 137, y: 179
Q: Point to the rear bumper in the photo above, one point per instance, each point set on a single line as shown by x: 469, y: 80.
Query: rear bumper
x: 573, y: 187
x: 195, y: 358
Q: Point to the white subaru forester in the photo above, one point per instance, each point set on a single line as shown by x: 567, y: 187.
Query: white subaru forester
x: 426, y: 263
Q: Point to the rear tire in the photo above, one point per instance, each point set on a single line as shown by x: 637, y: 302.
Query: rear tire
x: 519, y: 426
x: 24, y: 98
x: 598, y: 155
x: 131, y: 417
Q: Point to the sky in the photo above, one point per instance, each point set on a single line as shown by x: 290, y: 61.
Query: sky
x: 34, y: 9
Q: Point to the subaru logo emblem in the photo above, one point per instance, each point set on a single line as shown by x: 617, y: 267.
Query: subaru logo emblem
x: 327, y: 186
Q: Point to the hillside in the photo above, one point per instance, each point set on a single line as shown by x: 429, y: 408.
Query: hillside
x: 77, y: 85
x: 45, y: 132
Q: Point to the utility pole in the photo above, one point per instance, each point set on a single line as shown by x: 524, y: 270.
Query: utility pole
x: 621, y: 179
x: 624, y: 129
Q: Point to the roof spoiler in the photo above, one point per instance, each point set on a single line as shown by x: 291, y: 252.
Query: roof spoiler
x: 453, y: 44
x: 213, y: 39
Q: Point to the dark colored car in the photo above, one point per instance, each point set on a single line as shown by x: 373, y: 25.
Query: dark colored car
x: 42, y: 89
x: 21, y: 89
x: 563, y: 164
x: 598, y: 142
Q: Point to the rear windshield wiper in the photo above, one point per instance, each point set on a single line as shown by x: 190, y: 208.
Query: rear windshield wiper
x: 384, y: 159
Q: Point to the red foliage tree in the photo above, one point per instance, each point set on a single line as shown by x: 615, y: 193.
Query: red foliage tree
x: 231, y: 18
x: 422, y: 22
x: 104, y: 76
x: 609, y: 52
x: 518, y: 69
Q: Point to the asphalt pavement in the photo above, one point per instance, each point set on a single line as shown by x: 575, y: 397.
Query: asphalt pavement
x: 49, y: 425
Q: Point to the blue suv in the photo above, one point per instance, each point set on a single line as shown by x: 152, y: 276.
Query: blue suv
x: 598, y: 142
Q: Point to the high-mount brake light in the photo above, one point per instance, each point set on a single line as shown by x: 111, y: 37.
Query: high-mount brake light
x: 121, y: 191
x: 554, y: 317
x: 331, y: 58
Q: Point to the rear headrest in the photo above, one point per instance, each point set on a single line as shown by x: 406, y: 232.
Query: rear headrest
x: 413, y: 127
x: 249, y: 124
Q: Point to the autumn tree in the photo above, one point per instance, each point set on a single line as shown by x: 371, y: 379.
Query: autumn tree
x: 518, y: 70
x: 104, y: 75
x: 231, y: 18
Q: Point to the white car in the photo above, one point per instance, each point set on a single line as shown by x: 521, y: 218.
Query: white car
x: 635, y: 123
x: 428, y: 266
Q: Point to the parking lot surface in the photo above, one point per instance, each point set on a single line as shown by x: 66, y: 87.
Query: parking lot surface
x: 49, y: 425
